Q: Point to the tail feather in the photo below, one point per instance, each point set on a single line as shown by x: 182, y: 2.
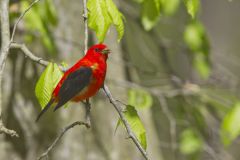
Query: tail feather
x: 45, y: 109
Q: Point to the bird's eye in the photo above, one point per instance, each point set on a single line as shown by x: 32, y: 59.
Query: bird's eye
x: 97, y: 50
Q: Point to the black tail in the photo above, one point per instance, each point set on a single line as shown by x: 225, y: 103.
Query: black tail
x: 45, y: 109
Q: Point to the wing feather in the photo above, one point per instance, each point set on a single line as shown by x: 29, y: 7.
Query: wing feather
x: 73, y: 84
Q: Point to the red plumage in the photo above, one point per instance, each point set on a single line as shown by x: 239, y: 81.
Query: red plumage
x: 82, y: 80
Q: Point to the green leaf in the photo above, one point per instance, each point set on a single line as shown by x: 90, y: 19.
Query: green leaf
x: 150, y: 13
x: 190, y: 143
x: 136, y: 125
x: 139, y: 98
x: 192, y: 7
x: 103, y: 13
x: 169, y: 6
x: 117, y: 18
x: 230, y: 128
x: 46, y: 83
x: 98, y: 18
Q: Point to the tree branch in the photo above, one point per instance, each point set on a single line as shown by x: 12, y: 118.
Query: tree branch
x: 64, y: 130
x: 124, y: 120
x: 5, y: 39
x: 10, y: 132
x: 29, y: 54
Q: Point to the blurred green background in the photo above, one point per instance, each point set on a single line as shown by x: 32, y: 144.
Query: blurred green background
x: 178, y: 64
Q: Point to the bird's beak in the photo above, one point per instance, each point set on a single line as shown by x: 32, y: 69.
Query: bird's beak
x: 106, y: 51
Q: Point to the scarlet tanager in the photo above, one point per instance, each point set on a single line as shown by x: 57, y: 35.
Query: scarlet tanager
x: 82, y: 80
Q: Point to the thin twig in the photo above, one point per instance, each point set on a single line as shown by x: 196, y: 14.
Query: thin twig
x: 64, y: 130
x: 87, y: 115
x: 85, y: 17
x: 85, y: 20
x: 172, y: 122
x: 5, y: 39
x: 124, y: 120
x: 21, y: 17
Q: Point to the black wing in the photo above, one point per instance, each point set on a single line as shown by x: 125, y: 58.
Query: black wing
x: 73, y: 84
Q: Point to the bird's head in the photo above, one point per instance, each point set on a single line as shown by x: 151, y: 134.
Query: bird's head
x: 99, y: 50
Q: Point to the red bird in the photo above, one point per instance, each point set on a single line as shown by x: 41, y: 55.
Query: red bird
x: 82, y: 80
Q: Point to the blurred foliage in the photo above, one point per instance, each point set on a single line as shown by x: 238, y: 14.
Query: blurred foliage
x: 190, y: 143
x: 47, y: 82
x: 150, y: 13
x: 194, y: 35
x: 169, y: 7
x: 141, y: 99
x: 230, y: 128
x: 196, y: 39
x: 103, y: 13
x: 39, y: 21
x: 151, y: 10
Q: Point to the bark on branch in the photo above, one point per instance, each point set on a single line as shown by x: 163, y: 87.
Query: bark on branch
x: 5, y: 40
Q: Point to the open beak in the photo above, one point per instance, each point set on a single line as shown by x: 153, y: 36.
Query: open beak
x: 106, y: 51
